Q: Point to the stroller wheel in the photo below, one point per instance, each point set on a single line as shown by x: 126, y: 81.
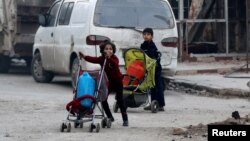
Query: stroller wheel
x: 108, y: 121
x: 154, y: 106
x: 91, y: 127
x: 68, y: 127
x: 104, y: 123
x: 63, y: 126
x: 115, y: 107
x: 97, y: 127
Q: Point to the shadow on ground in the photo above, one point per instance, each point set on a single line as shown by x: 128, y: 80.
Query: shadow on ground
x: 62, y: 83
x: 20, y: 70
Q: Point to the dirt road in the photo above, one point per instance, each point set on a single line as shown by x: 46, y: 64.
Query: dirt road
x: 30, y: 111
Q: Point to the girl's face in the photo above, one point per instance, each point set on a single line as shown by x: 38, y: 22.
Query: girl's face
x: 147, y: 36
x: 108, y: 50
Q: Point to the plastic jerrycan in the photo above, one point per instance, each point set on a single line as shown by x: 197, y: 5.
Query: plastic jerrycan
x: 86, y: 85
x: 135, y: 69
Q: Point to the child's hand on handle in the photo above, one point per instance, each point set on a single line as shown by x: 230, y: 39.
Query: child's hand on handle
x: 81, y: 55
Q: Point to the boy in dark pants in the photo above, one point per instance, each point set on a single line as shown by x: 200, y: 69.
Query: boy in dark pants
x: 114, y: 75
x: 149, y: 47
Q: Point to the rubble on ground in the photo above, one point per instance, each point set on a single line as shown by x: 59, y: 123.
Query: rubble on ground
x: 205, y: 90
x: 202, y: 90
x: 180, y: 131
x: 171, y: 85
x: 201, y: 129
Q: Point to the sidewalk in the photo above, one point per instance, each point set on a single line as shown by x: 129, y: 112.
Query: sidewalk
x: 208, y: 78
x: 220, y: 67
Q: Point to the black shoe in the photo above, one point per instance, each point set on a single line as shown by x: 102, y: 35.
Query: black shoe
x: 161, y: 109
x: 125, y: 123
x: 112, y: 119
x: 147, y: 108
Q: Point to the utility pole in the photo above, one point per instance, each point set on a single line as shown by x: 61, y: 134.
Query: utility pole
x: 247, y: 38
x: 181, y: 20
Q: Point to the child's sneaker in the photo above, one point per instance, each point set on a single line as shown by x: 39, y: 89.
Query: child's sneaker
x: 161, y: 109
x: 112, y: 119
x: 125, y: 123
x: 147, y: 108
x: 125, y: 119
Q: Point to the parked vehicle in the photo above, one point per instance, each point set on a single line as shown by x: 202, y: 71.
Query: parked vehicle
x: 71, y: 26
x: 18, y: 25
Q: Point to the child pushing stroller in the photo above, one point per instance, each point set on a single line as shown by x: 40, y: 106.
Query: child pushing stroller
x: 149, y: 47
x: 107, y: 49
x: 91, y: 89
x: 143, y: 76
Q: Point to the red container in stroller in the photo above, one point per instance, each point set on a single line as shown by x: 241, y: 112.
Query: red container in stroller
x: 78, y: 114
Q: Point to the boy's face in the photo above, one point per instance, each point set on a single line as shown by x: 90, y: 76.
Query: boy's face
x: 147, y: 36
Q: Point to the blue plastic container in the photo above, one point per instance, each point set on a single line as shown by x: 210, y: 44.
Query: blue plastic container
x: 86, y: 85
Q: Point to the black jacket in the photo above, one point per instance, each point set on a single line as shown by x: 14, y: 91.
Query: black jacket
x: 151, y: 50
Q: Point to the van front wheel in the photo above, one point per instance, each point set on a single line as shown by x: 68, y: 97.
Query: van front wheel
x: 38, y: 73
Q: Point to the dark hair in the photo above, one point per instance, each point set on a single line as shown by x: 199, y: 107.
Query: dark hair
x: 148, y: 30
x: 103, y: 45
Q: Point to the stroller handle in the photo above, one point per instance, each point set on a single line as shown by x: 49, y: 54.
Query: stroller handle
x: 78, y: 72
x: 159, y: 55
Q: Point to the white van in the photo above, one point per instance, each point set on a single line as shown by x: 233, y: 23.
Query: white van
x: 71, y: 26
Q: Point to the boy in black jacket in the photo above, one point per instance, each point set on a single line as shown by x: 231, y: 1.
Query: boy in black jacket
x: 148, y: 46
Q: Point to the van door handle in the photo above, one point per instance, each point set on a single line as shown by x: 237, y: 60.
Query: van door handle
x: 52, y: 34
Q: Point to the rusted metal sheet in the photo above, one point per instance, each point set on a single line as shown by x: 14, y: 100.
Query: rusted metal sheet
x: 194, y: 10
x: 8, y: 24
x: 197, y: 30
x: 19, y: 22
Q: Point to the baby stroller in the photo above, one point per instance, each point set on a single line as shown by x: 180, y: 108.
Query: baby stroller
x: 82, y: 108
x: 138, y: 80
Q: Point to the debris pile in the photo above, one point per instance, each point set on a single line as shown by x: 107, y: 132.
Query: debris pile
x: 201, y: 129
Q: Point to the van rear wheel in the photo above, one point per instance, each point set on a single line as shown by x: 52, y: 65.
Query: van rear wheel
x: 38, y: 73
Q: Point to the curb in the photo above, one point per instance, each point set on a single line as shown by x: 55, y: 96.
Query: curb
x: 207, y: 58
x: 202, y: 71
x: 208, y: 71
x: 194, y: 88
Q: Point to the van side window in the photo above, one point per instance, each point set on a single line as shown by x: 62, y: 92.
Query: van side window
x: 51, y: 16
x: 78, y: 17
x: 65, y: 13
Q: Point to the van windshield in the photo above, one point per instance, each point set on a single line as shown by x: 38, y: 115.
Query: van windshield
x: 133, y: 13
